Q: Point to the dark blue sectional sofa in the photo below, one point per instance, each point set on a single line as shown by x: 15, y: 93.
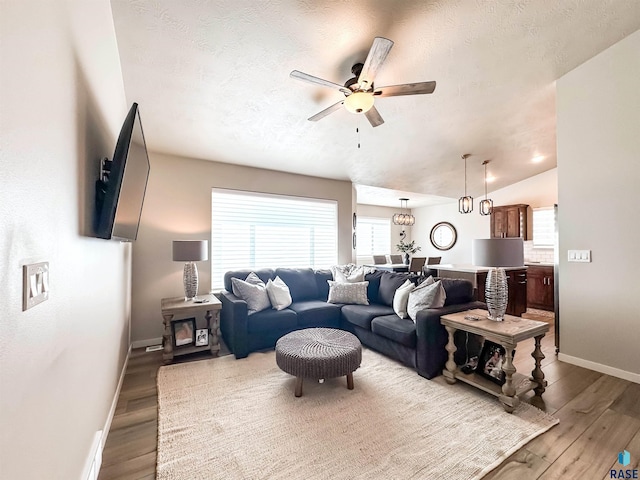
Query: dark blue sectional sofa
x: 419, y: 345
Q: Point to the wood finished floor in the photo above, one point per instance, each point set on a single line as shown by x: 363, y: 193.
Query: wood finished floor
x: 599, y: 417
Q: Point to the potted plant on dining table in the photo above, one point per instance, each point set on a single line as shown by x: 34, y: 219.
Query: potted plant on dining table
x: 407, y: 248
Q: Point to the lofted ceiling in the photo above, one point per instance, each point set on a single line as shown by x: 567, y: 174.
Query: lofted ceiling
x: 212, y: 80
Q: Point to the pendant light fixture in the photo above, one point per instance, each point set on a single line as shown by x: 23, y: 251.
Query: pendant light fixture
x: 405, y: 219
x: 465, y: 204
x: 486, y: 205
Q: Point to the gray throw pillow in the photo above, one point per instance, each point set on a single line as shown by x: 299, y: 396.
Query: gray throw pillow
x: 425, y: 295
x: 252, y: 292
x: 348, y: 293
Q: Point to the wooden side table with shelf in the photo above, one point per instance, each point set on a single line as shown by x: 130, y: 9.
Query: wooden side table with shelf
x: 180, y: 308
x: 506, y: 333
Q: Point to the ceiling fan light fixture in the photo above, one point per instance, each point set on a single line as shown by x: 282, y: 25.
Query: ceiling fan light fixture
x: 359, y: 102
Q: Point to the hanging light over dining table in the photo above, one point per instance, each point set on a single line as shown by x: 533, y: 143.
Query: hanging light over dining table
x: 402, y: 218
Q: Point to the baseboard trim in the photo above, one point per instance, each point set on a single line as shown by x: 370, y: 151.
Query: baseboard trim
x: 94, y: 461
x: 598, y: 367
x: 147, y: 342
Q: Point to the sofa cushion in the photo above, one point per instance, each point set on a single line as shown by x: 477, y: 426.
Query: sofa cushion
x: 268, y: 321
x: 361, y: 315
x: 322, y: 276
x: 394, y: 328
x: 316, y: 313
x: 301, y: 283
x: 374, y: 285
x: 457, y: 290
x: 389, y: 283
x: 348, y: 293
x: 263, y: 273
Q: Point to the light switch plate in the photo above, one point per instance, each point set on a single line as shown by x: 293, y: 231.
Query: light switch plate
x: 35, y: 284
x: 580, y: 256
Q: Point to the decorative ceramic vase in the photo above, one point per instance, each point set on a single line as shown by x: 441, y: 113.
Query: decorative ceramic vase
x: 496, y: 294
x: 190, y: 280
x: 406, y: 259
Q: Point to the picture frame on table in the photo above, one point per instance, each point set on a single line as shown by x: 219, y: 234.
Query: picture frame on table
x: 492, y: 359
x: 202, y: 337
x: 184, y: 332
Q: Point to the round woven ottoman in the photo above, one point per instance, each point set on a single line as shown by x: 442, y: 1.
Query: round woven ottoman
x: 319, y: 353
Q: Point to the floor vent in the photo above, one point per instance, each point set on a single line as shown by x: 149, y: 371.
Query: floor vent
x: 153, y: 348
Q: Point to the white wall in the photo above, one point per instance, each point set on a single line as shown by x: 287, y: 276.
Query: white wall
x: 61, y: 104
x: 598, y: 108
x: 178, y: 206
x: 538, y: 191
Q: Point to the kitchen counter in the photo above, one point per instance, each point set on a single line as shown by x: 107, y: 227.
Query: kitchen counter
x: 469, y: 268
x: 538, y: 264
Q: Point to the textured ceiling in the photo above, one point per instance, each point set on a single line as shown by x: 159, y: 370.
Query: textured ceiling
x: 212, y: 80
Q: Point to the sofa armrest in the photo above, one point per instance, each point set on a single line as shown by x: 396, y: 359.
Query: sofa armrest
x: 432, y: 338
x: 233, y: 323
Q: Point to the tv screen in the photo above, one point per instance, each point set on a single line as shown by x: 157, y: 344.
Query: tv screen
x: 120, y: 190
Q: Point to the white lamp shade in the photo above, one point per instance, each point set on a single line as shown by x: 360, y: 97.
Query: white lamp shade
x: 359, y: 102
x: 498, y: 252
x: 190, y: 250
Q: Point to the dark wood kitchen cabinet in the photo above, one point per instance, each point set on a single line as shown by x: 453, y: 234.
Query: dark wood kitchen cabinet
x: 509, y: 221
x: 540, y: 287
x: 517, y: 290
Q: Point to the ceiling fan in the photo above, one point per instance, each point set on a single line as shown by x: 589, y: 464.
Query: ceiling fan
x: 359, y: 91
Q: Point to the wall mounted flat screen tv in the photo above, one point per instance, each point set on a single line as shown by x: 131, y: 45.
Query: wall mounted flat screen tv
x: 122, y: 184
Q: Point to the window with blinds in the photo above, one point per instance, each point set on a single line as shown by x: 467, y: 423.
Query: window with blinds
x: 256, y: 230
x: 374, y: 236
x: 543, y: 227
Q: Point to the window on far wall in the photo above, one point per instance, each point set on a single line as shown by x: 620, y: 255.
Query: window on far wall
x: 543, y: 227
x: 374, y: 236
x: 257, y: 230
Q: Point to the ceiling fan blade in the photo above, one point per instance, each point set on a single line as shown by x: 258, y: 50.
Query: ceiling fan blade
x: 377, y: 54
x: 305, y: 77
x: 326, y: 111
x: 405, y: 89
x: 374, y: 117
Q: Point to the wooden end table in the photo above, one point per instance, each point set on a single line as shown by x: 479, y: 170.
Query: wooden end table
x: 506, y: 333
x: 178, y: 306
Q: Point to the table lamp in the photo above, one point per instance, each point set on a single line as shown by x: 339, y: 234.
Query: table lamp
x: 190, y: 251
x: 497, y: 253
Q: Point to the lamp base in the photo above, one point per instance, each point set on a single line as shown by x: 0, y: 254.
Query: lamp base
x: 496, y: 294
x: 190, y: 280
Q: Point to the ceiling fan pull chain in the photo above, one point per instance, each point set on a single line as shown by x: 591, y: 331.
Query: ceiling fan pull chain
x: 358, y: 132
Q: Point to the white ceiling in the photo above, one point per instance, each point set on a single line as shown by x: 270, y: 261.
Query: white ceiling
x: 212, y: 80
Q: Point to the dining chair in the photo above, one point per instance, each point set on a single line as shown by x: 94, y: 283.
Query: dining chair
x: 379, y: 259
x: 426, y: 271
x: 416, y: 264
x: 396, y: 258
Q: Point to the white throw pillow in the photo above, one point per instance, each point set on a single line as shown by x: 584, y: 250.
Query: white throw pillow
x: 279, y: 293
x: 349, y: 293
x: 356, y: 275
x: 401, y: 298
x: 255, y: 294
x: 426, y: 295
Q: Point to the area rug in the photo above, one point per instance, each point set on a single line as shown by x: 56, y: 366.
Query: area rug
x: 239, y: 419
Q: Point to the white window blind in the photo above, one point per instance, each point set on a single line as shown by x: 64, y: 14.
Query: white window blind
x: 256, y: 230
x: 374, y: 236
x: 543, y: 227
